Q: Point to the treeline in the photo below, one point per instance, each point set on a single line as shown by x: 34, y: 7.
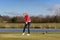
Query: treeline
x: 34, y: 19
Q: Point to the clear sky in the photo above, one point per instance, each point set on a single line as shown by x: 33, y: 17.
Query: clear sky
x: 33, y: 7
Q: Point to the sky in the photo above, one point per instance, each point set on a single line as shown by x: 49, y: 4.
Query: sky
x: 32, y: 7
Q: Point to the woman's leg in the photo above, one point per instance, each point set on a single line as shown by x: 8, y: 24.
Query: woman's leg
x: 28, y: 27
x: 24, y: 27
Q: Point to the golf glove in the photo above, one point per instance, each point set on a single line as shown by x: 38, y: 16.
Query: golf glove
x: 26, y: 22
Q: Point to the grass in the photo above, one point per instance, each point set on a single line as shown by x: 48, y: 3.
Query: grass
x: 33, y: 25
x: 33, y: 36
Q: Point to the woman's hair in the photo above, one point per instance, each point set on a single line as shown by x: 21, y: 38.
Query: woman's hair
x: 25, y: 13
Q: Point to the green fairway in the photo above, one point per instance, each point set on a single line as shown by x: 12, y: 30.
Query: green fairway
x: 33, y: 36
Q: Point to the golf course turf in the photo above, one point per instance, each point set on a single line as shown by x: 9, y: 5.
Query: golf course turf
x: 33, y: 36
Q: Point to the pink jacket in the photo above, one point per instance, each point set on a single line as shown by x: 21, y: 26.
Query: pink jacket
x: 27, y: 18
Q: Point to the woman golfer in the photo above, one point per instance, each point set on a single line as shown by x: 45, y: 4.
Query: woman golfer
x: 27, y: 21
